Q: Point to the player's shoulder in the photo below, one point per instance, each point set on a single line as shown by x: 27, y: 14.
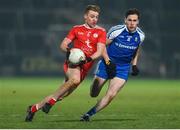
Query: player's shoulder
x: 100, y: 28
x: 141, y: 33
x: 78, y: 26
x: 117, y: 27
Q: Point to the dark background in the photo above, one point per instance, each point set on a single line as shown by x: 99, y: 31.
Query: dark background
x: 31, y: 30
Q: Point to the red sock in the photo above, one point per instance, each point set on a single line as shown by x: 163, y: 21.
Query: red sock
x: 52, y: 101
x: 34, y: 108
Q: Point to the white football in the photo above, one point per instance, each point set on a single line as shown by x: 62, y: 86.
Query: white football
x: 76, y: 56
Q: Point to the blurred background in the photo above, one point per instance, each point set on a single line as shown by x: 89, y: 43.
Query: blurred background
x: 31, y: 31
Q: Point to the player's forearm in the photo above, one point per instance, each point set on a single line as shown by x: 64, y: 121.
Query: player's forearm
x: 105, y: 55
x: 99, y: 52
x: 64, y: 44
x: 96, y: 55
x: 135, y: 59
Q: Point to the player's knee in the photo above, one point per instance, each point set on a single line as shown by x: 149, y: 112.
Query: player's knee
x: 111, y: 95
x: 75, y: 81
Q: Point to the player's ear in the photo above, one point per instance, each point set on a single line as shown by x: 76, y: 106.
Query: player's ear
x: 125, y: 20
x: 138, y: 21
x: 85, y: 16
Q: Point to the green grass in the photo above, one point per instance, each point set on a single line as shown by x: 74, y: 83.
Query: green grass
x: 142, y: 104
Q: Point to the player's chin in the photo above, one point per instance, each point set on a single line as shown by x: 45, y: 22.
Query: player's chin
x: 132, y: 29
x: 93, y: 24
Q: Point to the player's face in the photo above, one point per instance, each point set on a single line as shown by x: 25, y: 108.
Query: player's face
x: 132, y: 22
x: 91, y: 18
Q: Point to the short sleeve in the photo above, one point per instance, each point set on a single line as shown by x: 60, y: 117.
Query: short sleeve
x: 71, y: 34
x: 102, y: 37
x: 115, y: 31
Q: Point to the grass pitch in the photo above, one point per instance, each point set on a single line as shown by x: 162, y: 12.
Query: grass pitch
x: 141, y: 104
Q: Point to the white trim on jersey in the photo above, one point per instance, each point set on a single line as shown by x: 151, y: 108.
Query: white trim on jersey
x: 141, y: 34
x: 115, y: 31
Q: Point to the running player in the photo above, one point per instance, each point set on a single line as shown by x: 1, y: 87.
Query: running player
x: 91, y: 39
x: 122, y: 52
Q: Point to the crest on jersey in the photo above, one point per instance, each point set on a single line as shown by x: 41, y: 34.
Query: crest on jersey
x: 136, y: 39
x: 95, y: 35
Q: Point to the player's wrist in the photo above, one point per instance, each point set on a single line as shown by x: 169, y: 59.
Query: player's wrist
x: 67, y: 53
x: 107, y: 61
x: 68, y: 49
x: 89, y: 59
x: 135, y: 70
x: 111, y: 69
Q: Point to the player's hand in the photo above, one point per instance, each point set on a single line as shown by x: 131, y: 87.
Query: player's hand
x: 135, y: 70
x: 88, y: 59
x: 67, y: 53
x: 111, y: 69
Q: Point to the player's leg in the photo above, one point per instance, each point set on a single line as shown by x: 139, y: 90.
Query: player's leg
x: 32, y: 109
x: 83, y: 70
x: 66, y: 89
x: 99, y: 79
x: 67, y: 93
x: 115, y: 86
x: 96, y: 86
x: 73, y: 75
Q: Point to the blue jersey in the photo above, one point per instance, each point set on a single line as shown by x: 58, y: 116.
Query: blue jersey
x: 124, y: 44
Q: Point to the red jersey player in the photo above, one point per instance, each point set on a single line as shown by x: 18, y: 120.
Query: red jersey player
x: 91, y: 39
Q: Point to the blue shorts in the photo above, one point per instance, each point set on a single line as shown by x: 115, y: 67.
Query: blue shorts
x: 122, y: 71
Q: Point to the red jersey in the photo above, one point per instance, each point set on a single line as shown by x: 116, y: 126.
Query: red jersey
x: 86, y: 38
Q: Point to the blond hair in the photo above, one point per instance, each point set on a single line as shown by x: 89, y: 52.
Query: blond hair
x: 95, y: 8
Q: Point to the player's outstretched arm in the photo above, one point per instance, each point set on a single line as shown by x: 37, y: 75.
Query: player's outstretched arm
x: 110, y: 66
x: 99, y: 52
x: 135, y: 70
x: 135, y: 59
x: 105, y: 55
x: 64, y: 44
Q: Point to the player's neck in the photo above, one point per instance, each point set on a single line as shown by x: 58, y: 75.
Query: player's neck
x: 131, y: 31
x: 89, y: 26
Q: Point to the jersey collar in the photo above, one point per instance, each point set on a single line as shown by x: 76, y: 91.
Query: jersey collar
x: 85, y: 25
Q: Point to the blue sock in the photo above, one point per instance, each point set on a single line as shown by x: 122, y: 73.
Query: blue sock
x: 92, y: 111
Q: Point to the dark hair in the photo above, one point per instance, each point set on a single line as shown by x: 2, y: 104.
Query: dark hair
x: 133, y: 11
x: 95, y: 8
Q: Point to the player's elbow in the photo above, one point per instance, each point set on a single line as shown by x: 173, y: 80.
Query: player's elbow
x: 62, y: 47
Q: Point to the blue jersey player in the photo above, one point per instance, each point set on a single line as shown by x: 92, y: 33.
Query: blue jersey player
x: 123, y: 45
